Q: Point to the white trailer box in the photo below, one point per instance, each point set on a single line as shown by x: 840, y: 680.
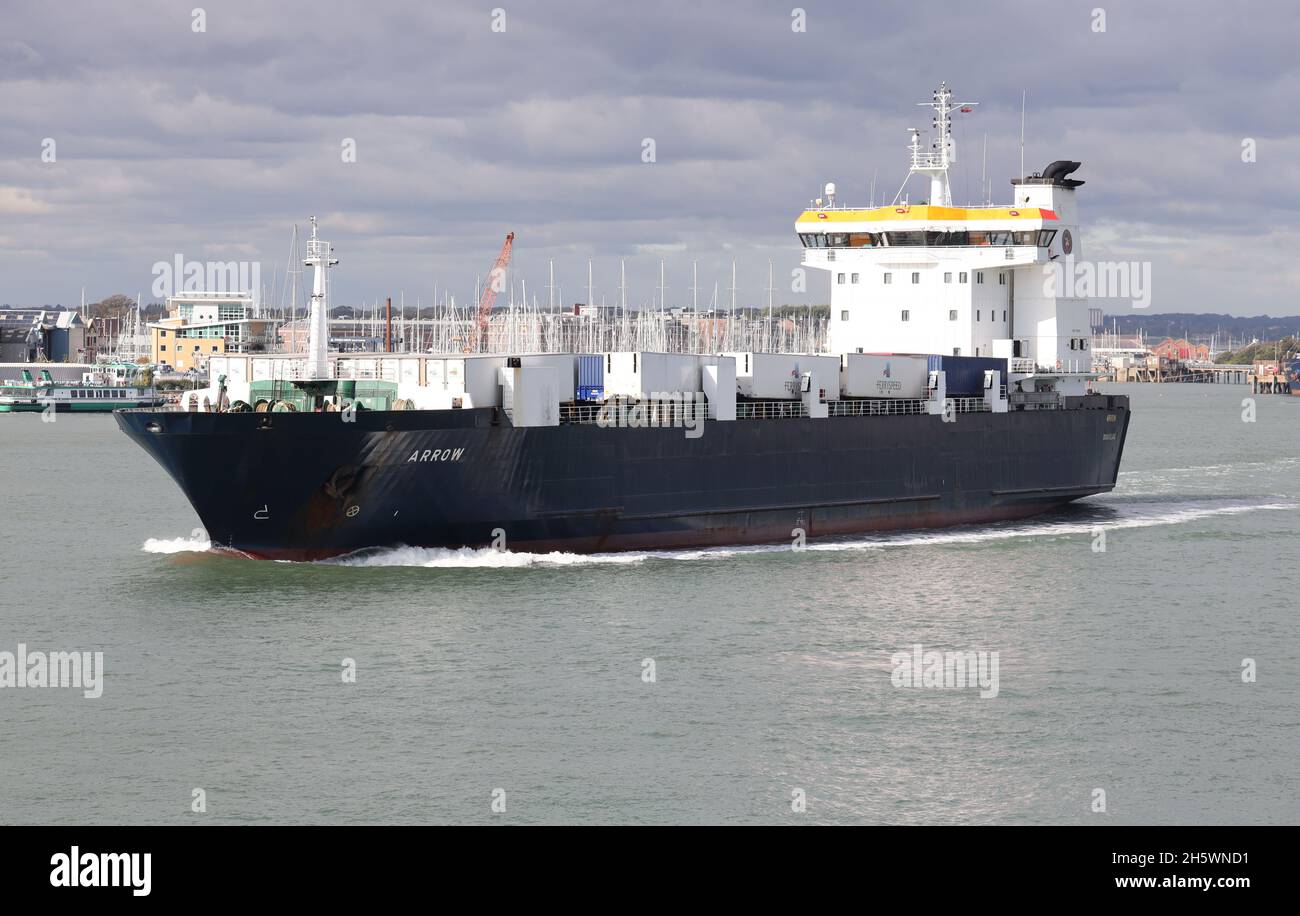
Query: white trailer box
x: 871, y: 375
x: 236, y: 369
x: 566, y: 371
x: 776, y: 376
x: 640, y: 374
x: 719, y: 378
x: 482, y: 384
x: 410, y: 371
x: 530, y: 395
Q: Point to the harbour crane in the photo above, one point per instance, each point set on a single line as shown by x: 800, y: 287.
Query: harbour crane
x: 488, y: 297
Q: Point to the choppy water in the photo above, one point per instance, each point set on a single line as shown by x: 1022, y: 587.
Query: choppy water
x: 478, y: 671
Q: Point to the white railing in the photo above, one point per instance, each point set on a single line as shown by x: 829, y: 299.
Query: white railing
x: 969, y: 405
x: 583, y: 414
x: 868, y: 407
x: 589, y: 414
x: 769, y: 410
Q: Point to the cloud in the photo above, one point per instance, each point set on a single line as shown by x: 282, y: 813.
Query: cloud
x: 217, y: 142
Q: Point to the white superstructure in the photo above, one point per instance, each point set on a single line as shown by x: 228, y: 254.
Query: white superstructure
x: 930, y: 277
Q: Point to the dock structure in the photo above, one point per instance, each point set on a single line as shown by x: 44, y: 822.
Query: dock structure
x: 1170, y: 371
x: 1269, y: 383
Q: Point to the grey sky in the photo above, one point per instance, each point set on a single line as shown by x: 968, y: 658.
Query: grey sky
x: 213, y: 144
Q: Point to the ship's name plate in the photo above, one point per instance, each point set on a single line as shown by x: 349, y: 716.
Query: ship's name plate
x: 436, y: 454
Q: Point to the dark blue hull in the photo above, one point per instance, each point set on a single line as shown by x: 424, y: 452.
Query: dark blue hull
x: 307, y: 486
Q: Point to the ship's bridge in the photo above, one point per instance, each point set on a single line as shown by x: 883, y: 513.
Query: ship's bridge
x: 905, y: 225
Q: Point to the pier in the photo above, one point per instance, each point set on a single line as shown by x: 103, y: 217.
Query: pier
x: 1168, y: 371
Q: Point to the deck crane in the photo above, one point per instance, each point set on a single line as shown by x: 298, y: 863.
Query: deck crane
x: 488, y: 297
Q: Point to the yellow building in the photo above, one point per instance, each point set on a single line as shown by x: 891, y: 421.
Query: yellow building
x: 183, y: 353
x: 202, y: 325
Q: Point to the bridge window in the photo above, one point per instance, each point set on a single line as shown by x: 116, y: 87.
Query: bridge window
x: 905, y: 239
x: 1025, y: 238
x: 863, y: 239
x: 1045, y: 237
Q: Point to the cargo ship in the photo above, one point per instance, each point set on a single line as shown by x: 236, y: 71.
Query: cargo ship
x: 957, y: 390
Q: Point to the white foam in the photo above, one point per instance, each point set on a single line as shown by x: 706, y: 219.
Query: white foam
x: 469, y: 558
x: 1146, y: 516
x: 1125, y: 515
x: 197, y: 542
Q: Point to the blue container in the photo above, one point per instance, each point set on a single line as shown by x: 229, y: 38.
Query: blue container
x: 591, y: 370
x: 591, y: 377
x: 965, y: 374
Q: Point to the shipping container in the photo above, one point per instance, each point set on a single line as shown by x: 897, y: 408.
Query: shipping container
x: 482, y: 385
x: 531, y: 395
x: 640, y: 374
x: 870, y: 375
x: 566, y: 371
x: 777, y: 376
x: 965, y: 374
x: 591, y: 377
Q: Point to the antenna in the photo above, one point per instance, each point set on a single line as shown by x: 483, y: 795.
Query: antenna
x: 943, y: 151
x: 1022, y: 133
x: 984, y: 171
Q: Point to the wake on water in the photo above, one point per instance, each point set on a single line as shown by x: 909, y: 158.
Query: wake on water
x: 1081, y: 519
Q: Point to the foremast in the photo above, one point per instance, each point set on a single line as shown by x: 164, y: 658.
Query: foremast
x: 319, y: 257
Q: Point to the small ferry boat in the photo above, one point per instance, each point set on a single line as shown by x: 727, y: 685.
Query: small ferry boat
x: 109, y: 387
